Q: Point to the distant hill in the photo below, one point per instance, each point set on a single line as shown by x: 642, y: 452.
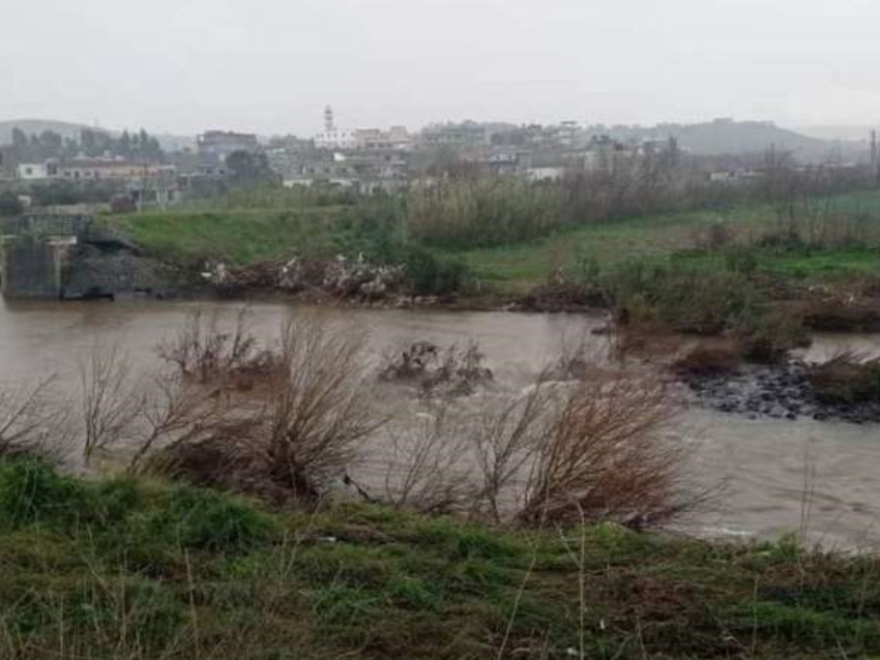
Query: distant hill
x: 742, y: 137
x: 63, y: 128
x: 72, y: 130
x: 842, y: 132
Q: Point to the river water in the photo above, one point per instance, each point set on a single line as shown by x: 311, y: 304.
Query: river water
x: 778, y: 476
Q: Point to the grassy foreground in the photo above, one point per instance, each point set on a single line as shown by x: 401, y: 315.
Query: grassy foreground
x: 134, y: 569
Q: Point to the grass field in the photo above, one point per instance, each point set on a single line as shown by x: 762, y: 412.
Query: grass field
x: 133, y: 569
x: 240, y: 237
x: 517, y: 268
x: 251, y: 235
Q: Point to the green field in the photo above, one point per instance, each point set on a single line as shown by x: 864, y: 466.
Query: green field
x: 242, y: 237
x: 517, y: 268
x: 126, y: 568
x: 249, y: 235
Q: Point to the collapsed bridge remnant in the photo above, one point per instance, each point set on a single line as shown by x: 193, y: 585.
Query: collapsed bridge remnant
x: 56, y: 257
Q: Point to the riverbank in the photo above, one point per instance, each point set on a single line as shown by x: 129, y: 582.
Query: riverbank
x: 139, y: 569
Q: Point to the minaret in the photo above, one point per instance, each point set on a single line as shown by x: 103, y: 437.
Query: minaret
x: 329, y: 123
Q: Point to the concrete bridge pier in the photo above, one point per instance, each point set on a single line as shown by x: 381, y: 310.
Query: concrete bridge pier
x: 31, y: 267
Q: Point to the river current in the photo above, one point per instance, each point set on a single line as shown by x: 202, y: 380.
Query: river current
x: 778, y: 476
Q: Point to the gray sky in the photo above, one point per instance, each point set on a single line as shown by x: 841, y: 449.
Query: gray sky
x: 272, y: 65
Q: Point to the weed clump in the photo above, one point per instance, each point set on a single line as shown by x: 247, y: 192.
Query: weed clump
x: 710, y: 360
x: 846, y: 379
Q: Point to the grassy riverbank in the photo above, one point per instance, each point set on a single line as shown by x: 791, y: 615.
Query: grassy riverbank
x: 134, y: 569
x: 250, y: 235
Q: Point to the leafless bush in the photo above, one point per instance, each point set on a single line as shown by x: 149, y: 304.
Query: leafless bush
x: 578, y: 354
x: 203, y: 352
x: 320, y: 408
x: 34, y: 422
x: 111, y: 402
x: 288, y: 434
x: 178, y: 415
x: 452, y: 371
x: 428, y: 469
x: 606, y: 456
x: 505, y: 441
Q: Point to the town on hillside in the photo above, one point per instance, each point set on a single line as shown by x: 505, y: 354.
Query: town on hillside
x: 93, y: 169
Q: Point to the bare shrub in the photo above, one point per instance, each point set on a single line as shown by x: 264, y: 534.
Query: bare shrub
x: 111, y: 401
x: 320, y: 409
x: 203, y: 352
x: 505, y: 441
x: 179, y: 415
x: 34, y: 422
x: 286, y: 435
x: 427, y: 469
x: 606, y: 456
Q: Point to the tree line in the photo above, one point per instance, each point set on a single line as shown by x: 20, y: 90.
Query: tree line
x: 36, y: 147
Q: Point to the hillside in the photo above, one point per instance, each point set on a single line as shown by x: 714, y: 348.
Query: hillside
x: 31, y: 126
x: 721, y: 137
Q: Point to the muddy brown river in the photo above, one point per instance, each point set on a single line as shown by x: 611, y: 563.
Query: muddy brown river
x: 765, y: 465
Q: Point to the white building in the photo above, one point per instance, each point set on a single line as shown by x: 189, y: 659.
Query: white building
x: 536, y: 174
x: 336, y: 138
x: 38, y: 171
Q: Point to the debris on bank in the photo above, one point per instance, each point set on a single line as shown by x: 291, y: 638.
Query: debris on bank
x: 339, y: 277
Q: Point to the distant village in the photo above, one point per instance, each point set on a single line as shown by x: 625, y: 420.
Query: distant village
x: 132, y: 171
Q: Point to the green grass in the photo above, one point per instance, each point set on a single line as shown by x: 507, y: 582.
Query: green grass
x: 246, y: 236
x: 807, y: 265
x: 240, y: 237
x: 517, y: 268
x: 134, y: 569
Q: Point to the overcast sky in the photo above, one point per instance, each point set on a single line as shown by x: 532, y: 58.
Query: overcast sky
x: 271, y: 65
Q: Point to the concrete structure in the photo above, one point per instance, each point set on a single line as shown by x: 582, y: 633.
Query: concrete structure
x: 465, y: 134
x: 37, y: 171
x: 32, y: 267
x: 53, y: 257
x: 97, y: 169
x: 33, y: 252
x: 216, y: 146
x: 397, y: 138
x: 537, y: 174
x: 93, y: 169
x: 336, y: 139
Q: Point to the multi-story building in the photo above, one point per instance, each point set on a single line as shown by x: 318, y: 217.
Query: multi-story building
x: 216, y: 146
x: 93, y: 169
x: 462, y: 135
x: 37, y: 171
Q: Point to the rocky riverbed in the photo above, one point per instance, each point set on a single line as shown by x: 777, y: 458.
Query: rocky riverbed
x: 777, y: 391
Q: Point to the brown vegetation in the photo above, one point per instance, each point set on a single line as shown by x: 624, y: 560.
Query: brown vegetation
x: 33, y: 422
x: 846, y: 378
x: 607, y: 456
x: 710, y: 359
x: 286, y: 421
